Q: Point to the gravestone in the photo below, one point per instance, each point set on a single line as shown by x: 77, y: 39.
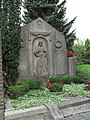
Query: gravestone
x: 43, y: 51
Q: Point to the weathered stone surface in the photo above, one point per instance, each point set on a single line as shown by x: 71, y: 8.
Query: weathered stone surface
x: 74, y: 117
x: 8, y: 106
x: 35, y: 113
x: 81, y: 116
x: 75, y: 106
x: 54, y: 111
x: 86, y: 115
x: 72, y: 66
x: 43, y: 51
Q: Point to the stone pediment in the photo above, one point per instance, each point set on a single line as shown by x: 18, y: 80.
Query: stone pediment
x: 40, y: 25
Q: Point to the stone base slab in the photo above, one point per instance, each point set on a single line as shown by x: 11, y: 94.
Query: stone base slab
x: 77, y: 105
x: 50, y: 111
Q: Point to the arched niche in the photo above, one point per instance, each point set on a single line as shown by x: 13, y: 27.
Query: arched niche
x: 40, y: 56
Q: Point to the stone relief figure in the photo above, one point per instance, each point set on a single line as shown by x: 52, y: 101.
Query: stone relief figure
x: 41, y: 56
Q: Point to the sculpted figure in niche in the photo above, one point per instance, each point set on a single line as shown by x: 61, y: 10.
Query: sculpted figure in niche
x: 41, y: 55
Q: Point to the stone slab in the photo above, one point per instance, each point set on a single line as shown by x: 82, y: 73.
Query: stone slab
x: 81, y: 116
x: 75, y: 106
x: 86, y: 115
x: 73, y: 102
x: 54, y: 111
x: 16, y: 114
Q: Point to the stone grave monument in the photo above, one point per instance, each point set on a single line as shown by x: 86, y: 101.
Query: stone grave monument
x: 43, y: 51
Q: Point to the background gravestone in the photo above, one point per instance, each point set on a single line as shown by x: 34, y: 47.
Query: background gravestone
x: 1, y: 85
x: 43, y: 51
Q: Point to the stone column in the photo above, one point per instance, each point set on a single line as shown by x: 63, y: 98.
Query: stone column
x: 1, y: 85
x: 72, y: 66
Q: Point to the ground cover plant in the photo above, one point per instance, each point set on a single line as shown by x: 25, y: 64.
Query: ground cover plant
x: 39, y: 97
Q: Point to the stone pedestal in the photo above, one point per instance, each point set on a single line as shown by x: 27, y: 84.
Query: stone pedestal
x: 72, y: 66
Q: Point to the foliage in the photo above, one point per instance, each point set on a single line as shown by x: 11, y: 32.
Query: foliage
x: 53, y: 13
x: 75, y: 90
x: 15, y: 91
x: 55, y: 86
x: 65, y: 79
x: 71, y: 79
x: 79, y: 50
x: 39, y: 97
x: 18, y: 90
x: 85, y: 77
x: 24, y: 86
x: 11, y: 39
x: 87, y: 51
x: 23, y: 82
x: 83, y: 71
x: 35, y: 84
x: 82, y: 51
x: 83, y: 67
x: 5, y: 86
x: 54, y: 79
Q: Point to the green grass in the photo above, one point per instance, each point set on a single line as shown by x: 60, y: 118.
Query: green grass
x: 83, y: 67
x: 39, y: 97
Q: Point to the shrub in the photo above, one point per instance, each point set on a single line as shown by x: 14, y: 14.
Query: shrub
x: 54, y: 79
x: 86, y: 61
x: 24, y: 86
x: 23, y: 82
x: 65, y: 79
x: 53, y: 87
x: 15, y: 91
x: 35, y: 84
x: 83, y: 73
x: 85, y: 77
x: 71, y: 79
